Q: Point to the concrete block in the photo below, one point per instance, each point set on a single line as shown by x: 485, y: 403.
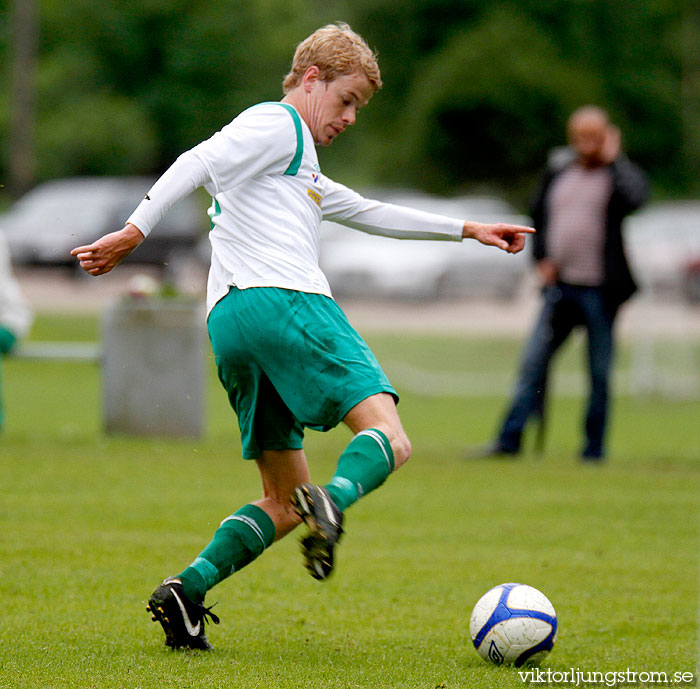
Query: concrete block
x: 153, y: 367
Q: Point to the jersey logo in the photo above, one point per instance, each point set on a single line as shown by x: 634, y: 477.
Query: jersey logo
x: 316, y: 198
x: 192, y: 629
x: 315, y: 178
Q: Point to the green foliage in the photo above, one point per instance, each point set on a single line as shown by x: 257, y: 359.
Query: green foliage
x: 482, y: 111
x: 475, y: 92
x: 491, y: 97
x: 124, y: 87
x: 115, y: 137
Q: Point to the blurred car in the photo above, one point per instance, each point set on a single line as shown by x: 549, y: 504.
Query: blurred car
x: 46, y: 223
x: 663, y: 244
x: 359, y: 264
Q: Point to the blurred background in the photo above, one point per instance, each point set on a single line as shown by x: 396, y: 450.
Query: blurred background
x: 475, y: 92
x: 98, y: 98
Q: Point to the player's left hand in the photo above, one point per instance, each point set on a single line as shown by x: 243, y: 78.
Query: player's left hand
x: 510, y: 238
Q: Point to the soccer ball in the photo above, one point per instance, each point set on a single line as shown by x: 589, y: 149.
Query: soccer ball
x: 513, y: 624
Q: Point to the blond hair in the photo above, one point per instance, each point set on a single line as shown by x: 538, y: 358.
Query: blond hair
x: 337, y: 51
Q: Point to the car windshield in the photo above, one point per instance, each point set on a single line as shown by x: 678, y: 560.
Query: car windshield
x: 59, y: 205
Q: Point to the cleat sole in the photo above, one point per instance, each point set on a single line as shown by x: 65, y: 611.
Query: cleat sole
x: 318, y: 545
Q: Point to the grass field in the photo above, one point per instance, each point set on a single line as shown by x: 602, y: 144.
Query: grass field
x: 90, y: 524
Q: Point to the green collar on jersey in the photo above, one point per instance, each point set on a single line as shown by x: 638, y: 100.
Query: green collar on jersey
x: 293, y: 167
x: 296, y: 160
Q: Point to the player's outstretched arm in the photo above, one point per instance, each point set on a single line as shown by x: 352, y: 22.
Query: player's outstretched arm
x: 109, y: 251
x: 510, y: 238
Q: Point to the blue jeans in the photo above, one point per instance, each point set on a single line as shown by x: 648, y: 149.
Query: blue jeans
x: 565, y: 307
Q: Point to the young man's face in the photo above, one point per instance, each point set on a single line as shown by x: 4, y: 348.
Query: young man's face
x: 333, y: 105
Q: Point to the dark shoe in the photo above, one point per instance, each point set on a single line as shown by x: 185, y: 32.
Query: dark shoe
x: 494, y: 451
x: 325, y: 521
x: 181, y: 618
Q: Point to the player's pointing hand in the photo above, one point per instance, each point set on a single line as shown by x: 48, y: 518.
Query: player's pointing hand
x: 510, y: 238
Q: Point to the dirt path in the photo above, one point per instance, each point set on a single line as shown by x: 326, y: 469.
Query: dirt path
x: 60, y: 291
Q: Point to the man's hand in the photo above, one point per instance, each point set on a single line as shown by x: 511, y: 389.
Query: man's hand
x: 109, y: 251
x: 510, y: 238
x: 612, y: 145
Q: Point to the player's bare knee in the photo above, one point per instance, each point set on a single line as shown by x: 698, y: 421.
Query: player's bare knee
x: 401, y: 446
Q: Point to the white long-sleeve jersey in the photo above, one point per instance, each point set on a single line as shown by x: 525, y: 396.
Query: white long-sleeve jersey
x: 269, y: 198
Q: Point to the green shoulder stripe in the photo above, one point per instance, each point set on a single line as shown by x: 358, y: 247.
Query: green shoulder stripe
x: 296, y: 160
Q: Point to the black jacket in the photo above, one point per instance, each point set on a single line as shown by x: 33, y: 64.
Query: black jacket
x: 630, y: 191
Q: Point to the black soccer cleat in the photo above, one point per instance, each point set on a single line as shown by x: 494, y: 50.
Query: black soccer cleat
x: 325, y: 521
x: 181, y: 618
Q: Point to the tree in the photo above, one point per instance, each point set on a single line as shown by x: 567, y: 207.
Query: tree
x: 22, y: 160
x: 484, y: 113
x: 475, y: 92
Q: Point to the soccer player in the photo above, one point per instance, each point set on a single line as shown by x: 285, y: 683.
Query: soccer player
x: 285, y: 353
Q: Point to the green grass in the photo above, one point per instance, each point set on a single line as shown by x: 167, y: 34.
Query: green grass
x: 91, y: 523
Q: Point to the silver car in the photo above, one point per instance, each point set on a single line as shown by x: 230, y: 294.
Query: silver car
x: 663, y: 245
x: 46, y: 223
x: 360, y: 265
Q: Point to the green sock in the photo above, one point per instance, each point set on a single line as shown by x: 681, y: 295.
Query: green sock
x: 7, y: 340
x: 364, y: 466
x: 237, y: 542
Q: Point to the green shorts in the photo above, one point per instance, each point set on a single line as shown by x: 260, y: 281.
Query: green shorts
x: 289, y: 360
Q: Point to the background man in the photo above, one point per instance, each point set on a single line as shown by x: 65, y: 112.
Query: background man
x: 286, y: 354
x: 577, y: 211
